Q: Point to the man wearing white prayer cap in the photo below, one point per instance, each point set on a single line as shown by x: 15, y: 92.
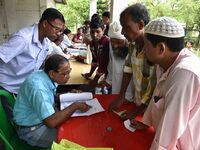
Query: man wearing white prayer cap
x: 118, y: 50
x: 174, y: 110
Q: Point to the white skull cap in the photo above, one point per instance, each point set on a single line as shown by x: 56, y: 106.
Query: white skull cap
x: 166, y: 27
x: 115, y: 30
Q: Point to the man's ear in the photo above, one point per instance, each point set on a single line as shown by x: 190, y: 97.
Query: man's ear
x: 162, y: 48
x: 141, y: 25
x: 44, y: 23
x: 51, y: 74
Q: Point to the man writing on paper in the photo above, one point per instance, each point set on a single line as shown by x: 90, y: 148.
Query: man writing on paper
x: 34, y: 112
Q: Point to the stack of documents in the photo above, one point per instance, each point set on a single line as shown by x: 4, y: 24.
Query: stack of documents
x: 87, y: 97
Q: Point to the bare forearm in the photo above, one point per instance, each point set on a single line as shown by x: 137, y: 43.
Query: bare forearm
x: 58, y: 117
x: 125, y: 82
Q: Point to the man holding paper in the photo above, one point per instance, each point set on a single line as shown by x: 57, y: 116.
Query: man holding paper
x: 34, y: 112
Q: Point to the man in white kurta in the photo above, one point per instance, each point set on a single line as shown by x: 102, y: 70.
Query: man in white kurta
x: 118, y: 50
x: 174, y: 110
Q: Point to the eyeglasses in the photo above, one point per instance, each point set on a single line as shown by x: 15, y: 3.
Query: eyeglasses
x: 60, y: 30
x: 65, y: 73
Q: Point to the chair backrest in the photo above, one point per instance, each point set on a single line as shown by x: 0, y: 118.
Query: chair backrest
x: 8, y: 133
x: 6, y: 127
x: 10, y: 99
x: 5, y: 143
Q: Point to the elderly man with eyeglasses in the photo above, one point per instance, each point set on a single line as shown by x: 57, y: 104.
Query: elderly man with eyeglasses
x: 26, y: 49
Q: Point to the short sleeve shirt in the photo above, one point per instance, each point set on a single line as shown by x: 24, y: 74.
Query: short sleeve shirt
x: 35, y: 100
x: 144, y: 75
x: 22, y: 54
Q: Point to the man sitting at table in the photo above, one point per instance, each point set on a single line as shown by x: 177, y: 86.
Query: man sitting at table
x: 58, y: 47
x: 174, y: 110
x: 35, y: 114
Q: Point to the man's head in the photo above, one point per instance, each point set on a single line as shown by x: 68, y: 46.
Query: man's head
x: 96, y: 28
x: 106, y: 17
x: 58, y: 68
x: 87, y: 24
x: 52, y: 23
x: 118, y: 41
x: 189, y: 44
x: 133, y: 20
x: 164, y: 39
x: 67, y: 32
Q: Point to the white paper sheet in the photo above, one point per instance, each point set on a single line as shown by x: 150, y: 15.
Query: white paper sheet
x: 72, y: 97
x: 94, y: 103
x: 127, y: 125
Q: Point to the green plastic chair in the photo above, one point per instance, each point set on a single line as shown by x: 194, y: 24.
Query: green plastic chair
x: 8, y: 133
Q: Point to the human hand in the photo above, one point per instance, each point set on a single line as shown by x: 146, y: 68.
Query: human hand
x: 130, y: 114
x: 116, y: 103
x: 92, y: 83
x: 138, y: 125
x: 65, y: 50
x: 76, y: 91
x: 104, y: 83
x: 86, y: 76
x: 82, y: 106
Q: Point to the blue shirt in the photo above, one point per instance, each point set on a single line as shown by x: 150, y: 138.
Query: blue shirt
x: 35, y: 100
x: 22, y: 54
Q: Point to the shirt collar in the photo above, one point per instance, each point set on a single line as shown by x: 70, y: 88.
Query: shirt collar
x: 36, y: 34
x: 165, y: 74
x: 51, y: 84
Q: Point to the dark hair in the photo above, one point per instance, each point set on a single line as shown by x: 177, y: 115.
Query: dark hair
x: 106, y: 14
x: 51, y: 14
x: 54, y: 62
x: 96, y: 22
x: 174, y: 44
x: 191, y: 42
x: 94, y: 16
x: 86, y: 22
x: 137, y: 12
x: 67, y: 31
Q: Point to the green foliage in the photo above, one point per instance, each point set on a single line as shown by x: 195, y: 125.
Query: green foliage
x: 185, y: 11
x: 75, y: 12
x: 103, y: 5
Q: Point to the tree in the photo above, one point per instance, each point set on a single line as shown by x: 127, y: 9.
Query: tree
x: 75, y: 12
x: 103, y: 5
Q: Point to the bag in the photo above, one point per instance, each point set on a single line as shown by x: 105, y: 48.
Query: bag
x: 68, y: 145
x: 88, y: 59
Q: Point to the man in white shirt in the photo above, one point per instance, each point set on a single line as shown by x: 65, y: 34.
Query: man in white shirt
x: 174, y: 110
x: 118, y: 50
x: 26, y: 49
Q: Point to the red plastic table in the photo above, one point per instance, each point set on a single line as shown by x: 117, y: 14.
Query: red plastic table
x: 105, y: 129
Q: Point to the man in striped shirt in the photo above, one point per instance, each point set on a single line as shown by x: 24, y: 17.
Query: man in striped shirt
x: 133, y: 20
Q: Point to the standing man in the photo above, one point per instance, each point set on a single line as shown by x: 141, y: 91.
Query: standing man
x: 106, y: 21
x: 174, y: 110
x: 118, y: 47
x: 133, y: 20
x: 99, y: 47
x: 26, y: 49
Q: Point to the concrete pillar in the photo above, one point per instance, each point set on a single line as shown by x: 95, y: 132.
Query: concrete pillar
x: 93, y: 7
x: 116, y: 7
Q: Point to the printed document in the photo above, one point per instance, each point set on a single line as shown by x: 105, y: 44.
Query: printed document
x: 87, y: 97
